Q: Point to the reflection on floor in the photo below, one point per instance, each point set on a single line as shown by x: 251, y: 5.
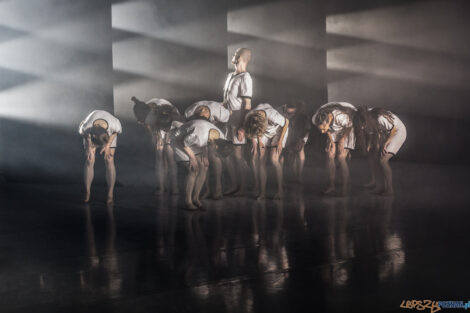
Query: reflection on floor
x: 355, y: 254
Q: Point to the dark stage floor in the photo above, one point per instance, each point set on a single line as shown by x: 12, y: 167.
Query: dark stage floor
x: 307, y: 253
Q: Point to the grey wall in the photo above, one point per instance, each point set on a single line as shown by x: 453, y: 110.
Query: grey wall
x: 411, y: 57
x: 59, y: 59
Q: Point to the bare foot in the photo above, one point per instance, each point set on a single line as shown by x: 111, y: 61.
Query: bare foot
x: 86, y: 197
x: 190, y: 206
x: 261, y: 196
x: 197, y: 203
x: 370, y: 185
x: 217, y: 196
x: 377, y: 191
x: 231, y: 191
x: 387, y: 193
x: 278, y: 196
x: 109, y: 201
x: 329, y: 190
x: 239, y: 193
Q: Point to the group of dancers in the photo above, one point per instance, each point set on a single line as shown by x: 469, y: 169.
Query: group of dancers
x: 214, y: 135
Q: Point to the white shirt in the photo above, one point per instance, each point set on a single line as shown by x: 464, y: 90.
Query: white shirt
x: 151, y: 118
x: 385, y: 124
x: 275, y: 119
x: 341, y: 120
x: 237, y: 87
x: 218, y: 112
x: 195, y: 134
x: 114, y: 125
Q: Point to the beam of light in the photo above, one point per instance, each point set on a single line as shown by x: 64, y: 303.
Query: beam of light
x: 142, y: 17
x: 429, y: 25
x: 292, y: 25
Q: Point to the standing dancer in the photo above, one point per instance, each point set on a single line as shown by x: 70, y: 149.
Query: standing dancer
x: 215, y: 113
x: 299, y: 129
x: 238, y: 91
x: 266, y: 128
x: 190, y: 143
x: 158, y: 121
x: 382, y: 134
x: 99, y: 130
x: 336, y: 120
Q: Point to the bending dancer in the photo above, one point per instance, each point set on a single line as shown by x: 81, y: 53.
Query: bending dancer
x: 266, y: 128
x: 215, y: 113
x: 99, y: 130
x: 382, y: 134
x: 158, y: 115
x: 336, y: 120
x: 189, y: 142
x: 299, y: 129
x: 238, y: 91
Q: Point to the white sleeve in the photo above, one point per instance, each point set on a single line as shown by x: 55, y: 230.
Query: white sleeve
x: 84, y: 125
x: 343, y: 120
x: 276, y: 118
x: 246, y: 86
x: 190, y: 111
x: 224, y: 114
x: 385, y: 123
x: 190, y: 139
x: 117, y: 127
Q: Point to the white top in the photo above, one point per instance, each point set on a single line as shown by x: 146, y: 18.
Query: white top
x: 237, y: 87
x: 218, y: 112
x: 386, y: 125
x: 275, y: 119
x: 114, y: 125
x: 151, y: 118
x: 195, y: 134
x: 341, y: 120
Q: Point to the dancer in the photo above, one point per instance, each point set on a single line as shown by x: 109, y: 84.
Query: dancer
x: 190, y: 143
x: 299, y: 129
x: 382, y: 134
x: 216, y: 113
x: 158, y: 120
x: 266, y: 128
x: 336, y: 120
x: 99, y: 130
x: 238, y: 91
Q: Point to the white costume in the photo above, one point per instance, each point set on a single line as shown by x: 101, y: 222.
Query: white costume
x: 218, y: 113
x: 237, y: 87
x: 276, y: 121
x: 400, y: 135
x: 340, y: 121
x: 114, y: 125
x: 193, y: 134
x: 151, y: 119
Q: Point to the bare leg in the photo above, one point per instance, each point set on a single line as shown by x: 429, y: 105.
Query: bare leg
x: 216, y: 164
x: 159, y: 167
x: 278, y: 168
x: 89, y: 172
x: 110, y: 175
x: 242, y: 169
x: 371, y: 160
x: 387, y: 171
x: 255, y: 168
x: 172, y: 169
x: 300, y: 164
x: 203, y: 164
x: 331, y: 166
x: 262, y: 173
x: 343, y: 163
x: 229, y: 165
x: 189, y: 188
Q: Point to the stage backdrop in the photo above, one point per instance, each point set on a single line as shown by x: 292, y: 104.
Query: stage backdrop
x: 61, y: 59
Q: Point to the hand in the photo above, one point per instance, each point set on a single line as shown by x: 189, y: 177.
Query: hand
x: 193, y: 165
x: 107, y: 152
x: 240, y: 134
x: 254, y: 146
x: 384, y: 150
x: 279, y: 148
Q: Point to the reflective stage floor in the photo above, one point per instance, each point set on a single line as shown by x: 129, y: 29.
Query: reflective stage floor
x: 307, y: 253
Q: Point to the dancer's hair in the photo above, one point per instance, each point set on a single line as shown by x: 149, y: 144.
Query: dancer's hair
x: 201, y: 111
x: 255, y: 124
x: 99, y: 136
x: 322, y: 115
x: 165, y: 114
x: 141, y: 110
x: 242, y: 52
x: 367, y: 129
x: 298, y: 105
